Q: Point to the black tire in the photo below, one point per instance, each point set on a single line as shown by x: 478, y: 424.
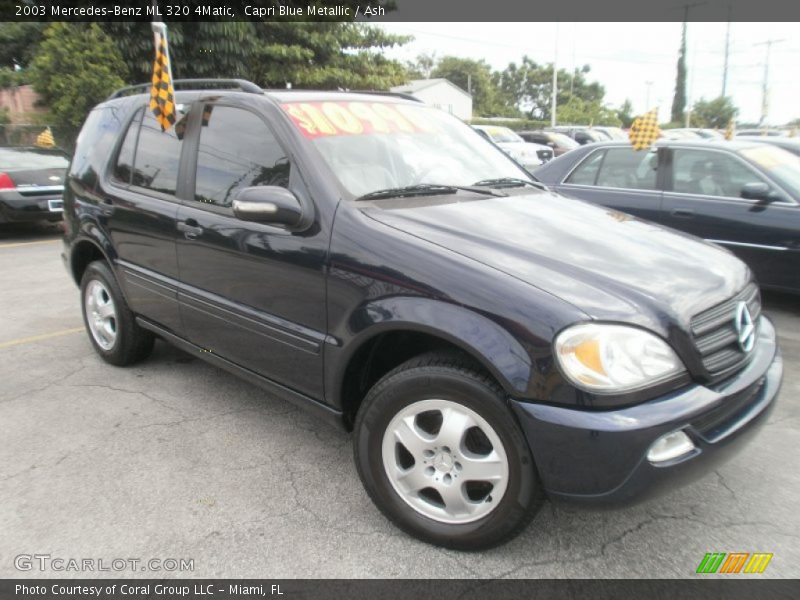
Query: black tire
x: 457, y: 379
x: 132, y: 343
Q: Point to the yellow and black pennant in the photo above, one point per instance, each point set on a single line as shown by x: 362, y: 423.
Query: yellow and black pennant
x: 645, y: 130
x: 162, y: 94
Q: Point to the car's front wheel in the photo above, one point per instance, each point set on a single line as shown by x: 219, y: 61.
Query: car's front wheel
x: 441, y: 455
x: 109, y: 322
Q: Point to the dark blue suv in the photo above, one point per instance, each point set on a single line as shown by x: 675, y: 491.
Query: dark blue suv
x: 379, y: 262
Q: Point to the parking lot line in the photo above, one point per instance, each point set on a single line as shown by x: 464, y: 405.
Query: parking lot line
x: 19, y: 244
x: 38, y: 338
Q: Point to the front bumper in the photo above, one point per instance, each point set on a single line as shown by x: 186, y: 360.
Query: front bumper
x: 600, y: 456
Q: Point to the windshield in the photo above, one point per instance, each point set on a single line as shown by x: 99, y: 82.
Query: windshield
x: 373, y: 146
x: 564, y: 141
x: 780, y: 164
x: 615, y: 133
x: 502, y: 134
x: 15, y: 159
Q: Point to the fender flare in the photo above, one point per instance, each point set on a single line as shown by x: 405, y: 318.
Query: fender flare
x: 485, y: 340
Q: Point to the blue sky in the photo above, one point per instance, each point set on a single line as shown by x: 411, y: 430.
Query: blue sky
x: 624, y: 56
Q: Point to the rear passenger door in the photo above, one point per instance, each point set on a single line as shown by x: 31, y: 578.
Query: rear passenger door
x: 140, y: 198
x: 620, y: 178
x: 252, y: 293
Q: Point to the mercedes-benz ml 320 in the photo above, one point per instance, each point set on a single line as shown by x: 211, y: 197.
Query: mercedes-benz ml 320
x: 490, y: 343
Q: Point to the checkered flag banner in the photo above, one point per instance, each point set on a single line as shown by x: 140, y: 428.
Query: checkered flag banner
x: 45, y: 139
x: 730, y: 130
x: 162, y: 94
x: 644, y: 130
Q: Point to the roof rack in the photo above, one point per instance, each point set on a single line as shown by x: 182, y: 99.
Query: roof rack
x: 193, y: 84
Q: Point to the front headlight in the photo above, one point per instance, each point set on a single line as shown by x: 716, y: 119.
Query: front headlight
x: 608, y: 358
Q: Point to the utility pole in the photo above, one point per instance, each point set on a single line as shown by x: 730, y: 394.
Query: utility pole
x: 727, y: 52
x: 765, y: 84
x: 555, y: 82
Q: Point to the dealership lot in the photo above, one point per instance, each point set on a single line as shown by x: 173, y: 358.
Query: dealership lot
x: 176, y: 459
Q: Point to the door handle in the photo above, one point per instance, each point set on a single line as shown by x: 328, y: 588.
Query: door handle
x: 685, y: 213
x: 191, y: 230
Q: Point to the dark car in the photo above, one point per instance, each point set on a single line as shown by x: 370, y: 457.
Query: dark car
x: 560, y: 143
x: 380, y: 263
x: 743, y: 195
x: 582, y: 135
x: 31, y: 184
x: 785, y: 143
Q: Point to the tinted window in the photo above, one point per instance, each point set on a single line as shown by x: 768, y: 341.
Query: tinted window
x: 586, y: 173
x: 237, y: 150
x: 627, y: 168
x: 710, y: 173
x: 158, y: 154
x: 124, y: 166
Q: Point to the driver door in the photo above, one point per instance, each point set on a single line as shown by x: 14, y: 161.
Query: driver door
x: 252, y: 293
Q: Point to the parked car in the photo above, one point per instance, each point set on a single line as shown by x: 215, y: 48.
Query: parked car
x: 31, y: 184
x: 742, y: 195
x: 558, y: 142
x: 766, y: 132
x: 710, y: 134
x: 681, y: 134
x: 377, y: 261
x: 528, y: 155
x: 785, y: 143
x: 613, y: 133
x: 582, y: 135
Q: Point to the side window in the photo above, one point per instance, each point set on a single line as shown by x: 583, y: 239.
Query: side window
x: 710, y: 173
x: 236, y: 150
x: 626, y: 168
x: 123, y: 169
x: 586, y: 173
x: 158, y: 154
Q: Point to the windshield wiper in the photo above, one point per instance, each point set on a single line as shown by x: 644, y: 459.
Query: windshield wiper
x: 425, y: 189
x: 510, y: 182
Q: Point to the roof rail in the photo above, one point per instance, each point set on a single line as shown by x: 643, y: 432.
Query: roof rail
x: 193, y: 84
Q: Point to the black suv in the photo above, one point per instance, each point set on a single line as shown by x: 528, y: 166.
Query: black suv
x: 379, y: 262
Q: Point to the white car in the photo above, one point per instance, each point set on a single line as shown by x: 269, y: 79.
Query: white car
x: 528, y: 154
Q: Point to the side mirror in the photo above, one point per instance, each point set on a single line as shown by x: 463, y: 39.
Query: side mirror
x: 268, y: 204
x: 757, y: 190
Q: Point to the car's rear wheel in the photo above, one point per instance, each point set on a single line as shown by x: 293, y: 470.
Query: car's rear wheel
x: 441, y: 455
x: 109, y: 322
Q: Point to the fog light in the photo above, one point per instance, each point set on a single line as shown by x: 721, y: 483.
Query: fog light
x: 669, y: 447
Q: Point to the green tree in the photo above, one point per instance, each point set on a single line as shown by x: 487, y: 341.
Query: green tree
x: 475, y: 76
x: 422, y: 66
x: 587, y: 112
x: 679, y: 101
x: 75, y: 67
x: 529, y: 86
x: 325, y: 55
x: 309, y: 54
x: 625, y: 113
x: 18, y: 43
x: 716, y: 113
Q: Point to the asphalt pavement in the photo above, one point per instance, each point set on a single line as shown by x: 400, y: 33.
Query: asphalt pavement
x: 175, y: 459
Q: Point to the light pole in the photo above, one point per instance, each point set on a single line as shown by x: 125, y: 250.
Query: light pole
x: 765, y: 84
x: 555, y: 82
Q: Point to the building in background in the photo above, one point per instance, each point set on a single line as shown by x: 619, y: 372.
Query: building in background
x: 440, y: 93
